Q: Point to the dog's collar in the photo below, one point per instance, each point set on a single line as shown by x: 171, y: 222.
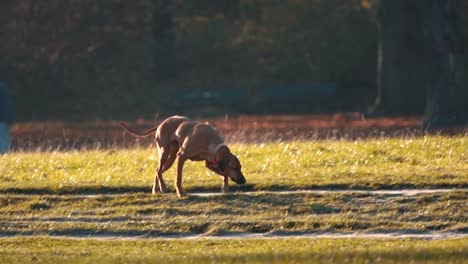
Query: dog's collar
x: 216, y: 151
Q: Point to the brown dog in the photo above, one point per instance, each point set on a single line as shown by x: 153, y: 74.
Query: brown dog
x: 182, y: 137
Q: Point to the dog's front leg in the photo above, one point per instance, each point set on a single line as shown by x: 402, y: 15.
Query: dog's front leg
x: 178, y: 181
x: 226, y: 184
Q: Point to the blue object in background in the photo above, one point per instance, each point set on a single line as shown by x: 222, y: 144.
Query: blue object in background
x: 6, y: 118
x: 6, y: 111
x: 299, y: 93
x: 274, y: 99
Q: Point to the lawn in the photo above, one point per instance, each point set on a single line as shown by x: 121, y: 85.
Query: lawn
x: 163, y: 214
x: 47, y: 250
x: 425, y: 162
x: 58, y: 206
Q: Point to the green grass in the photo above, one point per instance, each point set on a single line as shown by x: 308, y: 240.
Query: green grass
x: 47, y: 250
x: 428, y: 162
x: 42, y: 195
x: 144, y: 214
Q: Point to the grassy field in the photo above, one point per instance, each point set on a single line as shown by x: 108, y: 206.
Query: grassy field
x: 99, y: 193
x: 144, y: 214
x: 38, y: 250
x: 427, y: 162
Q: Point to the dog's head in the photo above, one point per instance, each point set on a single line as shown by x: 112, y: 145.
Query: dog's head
x: 229, y: 165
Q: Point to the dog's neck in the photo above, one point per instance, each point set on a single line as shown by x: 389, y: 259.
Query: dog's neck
x: 214, y: 149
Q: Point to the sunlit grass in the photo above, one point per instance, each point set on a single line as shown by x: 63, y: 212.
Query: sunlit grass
x: 41, y: 250
x: 428, y: 162
x: 432, y: 161
x: 141, y: 214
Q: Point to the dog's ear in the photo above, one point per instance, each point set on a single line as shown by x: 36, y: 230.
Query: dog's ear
x: 222, y: 164
x: 222, y: 157
x: 213, y: 167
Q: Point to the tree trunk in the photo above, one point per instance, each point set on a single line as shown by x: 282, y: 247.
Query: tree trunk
x: 399, y: 71
x: 419, y: 62
x: 446, y: 96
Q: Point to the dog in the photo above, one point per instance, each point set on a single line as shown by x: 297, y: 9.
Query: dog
x: 182, y: 137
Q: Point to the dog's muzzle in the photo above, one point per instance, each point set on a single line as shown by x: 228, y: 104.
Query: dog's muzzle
x: 239, y: 179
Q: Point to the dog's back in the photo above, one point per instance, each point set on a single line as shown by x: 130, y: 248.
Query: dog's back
x: 166, y: 132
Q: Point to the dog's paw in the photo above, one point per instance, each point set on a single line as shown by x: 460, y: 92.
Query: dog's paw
x: 155, y: 191
x: 181, y: 194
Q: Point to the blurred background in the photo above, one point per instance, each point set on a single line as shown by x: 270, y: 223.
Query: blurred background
x: 117, y: 59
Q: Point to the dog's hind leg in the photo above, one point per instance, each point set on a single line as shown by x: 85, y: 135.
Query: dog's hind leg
x: 167, y: 158
x: 158, y: 179
x: 164, y: 157
x: 172, y: 156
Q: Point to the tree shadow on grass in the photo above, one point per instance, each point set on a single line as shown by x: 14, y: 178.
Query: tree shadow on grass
x: 109, y: 190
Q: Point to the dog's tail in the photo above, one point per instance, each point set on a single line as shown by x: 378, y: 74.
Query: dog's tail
x: 136, y: 133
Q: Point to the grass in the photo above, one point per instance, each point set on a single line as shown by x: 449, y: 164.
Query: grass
x: 426, y: 162
x: 46, y: 250
x: 144, y: 214
x: 45, y: 194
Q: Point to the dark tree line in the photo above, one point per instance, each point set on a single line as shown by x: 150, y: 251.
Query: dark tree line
x: 164, y: 14
x: 163, y: 30
x: 420, y: 61
x: 420, y: 56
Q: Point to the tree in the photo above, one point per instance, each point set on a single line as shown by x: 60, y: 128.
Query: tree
x: 446, y: 96
x: 399, y: 86
x: 418, y: 61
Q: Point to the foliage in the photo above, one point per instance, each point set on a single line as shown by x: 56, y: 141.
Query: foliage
x: 95, y: 59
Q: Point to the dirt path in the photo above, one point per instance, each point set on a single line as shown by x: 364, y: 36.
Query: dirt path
x: 403, y: 234
x: 402, y: 192
x: 397, y: 192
